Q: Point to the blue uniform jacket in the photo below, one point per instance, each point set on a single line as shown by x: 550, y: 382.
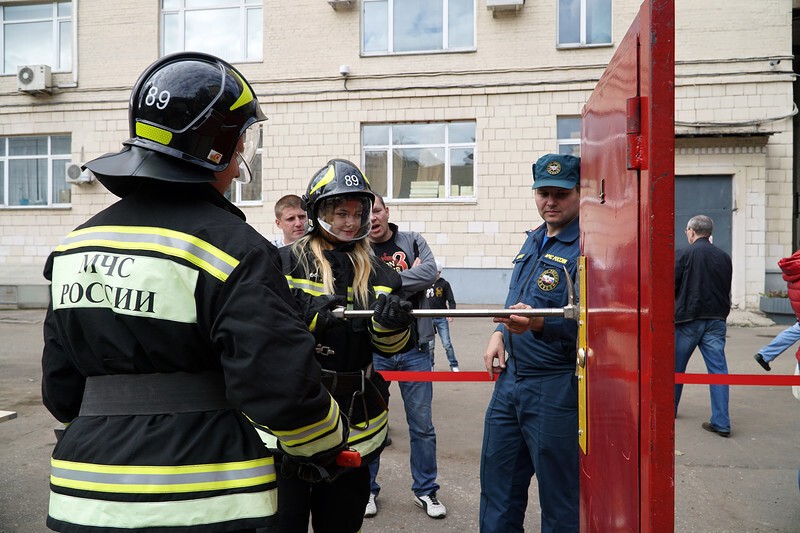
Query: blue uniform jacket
x: 538, y: 280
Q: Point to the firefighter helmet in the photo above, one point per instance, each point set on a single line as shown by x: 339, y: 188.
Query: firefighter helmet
x: 192, y: 113
x: 339, y: 201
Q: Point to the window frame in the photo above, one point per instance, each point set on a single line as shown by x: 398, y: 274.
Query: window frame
x: 583, y: 28
x: 243, y: 6
x: 568, y: 141
x: 54, y: 62
x: 447, y: 146
x: 234, y: 192
x: 390, y: 33
x: 5, y: 162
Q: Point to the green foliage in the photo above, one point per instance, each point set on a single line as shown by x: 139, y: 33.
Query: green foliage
x: 775, y: 294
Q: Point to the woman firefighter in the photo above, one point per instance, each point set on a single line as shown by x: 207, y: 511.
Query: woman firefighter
x: 331, y: 266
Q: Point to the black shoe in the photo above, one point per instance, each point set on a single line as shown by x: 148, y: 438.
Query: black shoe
x: 760, y: 360
x: 708, y: 426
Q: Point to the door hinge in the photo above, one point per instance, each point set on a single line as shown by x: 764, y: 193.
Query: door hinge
x: 636, y: 136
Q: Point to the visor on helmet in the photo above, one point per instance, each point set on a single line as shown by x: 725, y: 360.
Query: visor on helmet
x: 345, y: 217
x: 246, y: 152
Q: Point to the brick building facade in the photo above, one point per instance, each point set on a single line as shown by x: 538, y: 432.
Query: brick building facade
x: 497, y: 102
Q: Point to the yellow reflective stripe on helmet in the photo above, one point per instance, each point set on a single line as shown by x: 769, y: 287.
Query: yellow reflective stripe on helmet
x: 161, y: 479
x: 324, y: 180
x: 246, y: 96
x: 169, y: 242
x: 140, y: 515
x: 313, y: 438
x: 153, y: 133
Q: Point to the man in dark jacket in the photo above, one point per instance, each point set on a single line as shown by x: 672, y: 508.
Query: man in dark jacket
x: 702, y: 303
x: 409, y: 254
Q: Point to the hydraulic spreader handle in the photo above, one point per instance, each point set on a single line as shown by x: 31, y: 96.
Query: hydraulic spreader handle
x: 569, y: 311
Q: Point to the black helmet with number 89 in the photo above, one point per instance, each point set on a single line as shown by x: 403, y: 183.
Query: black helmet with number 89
x: 339, y: 201
x: 190, y: 115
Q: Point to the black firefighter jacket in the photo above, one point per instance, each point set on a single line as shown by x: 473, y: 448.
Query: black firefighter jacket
x: 349, y: 344
x: 171, y: 279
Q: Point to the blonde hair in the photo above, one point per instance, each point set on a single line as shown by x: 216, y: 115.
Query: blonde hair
x: 361, y: 258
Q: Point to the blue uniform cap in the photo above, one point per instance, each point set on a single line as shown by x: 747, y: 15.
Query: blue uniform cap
x: 557, y: 170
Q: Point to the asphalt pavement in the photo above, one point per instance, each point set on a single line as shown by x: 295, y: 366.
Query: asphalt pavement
x: 745, y: 483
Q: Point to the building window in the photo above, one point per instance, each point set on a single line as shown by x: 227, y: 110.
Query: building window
x: 33, y: 170
x: 568, y: 130
x: 584, y: 22
x: 420, y: 161
x: 249, y: 193
x: 36, y: 34
x: 404, y: 26
x: 230, y: 29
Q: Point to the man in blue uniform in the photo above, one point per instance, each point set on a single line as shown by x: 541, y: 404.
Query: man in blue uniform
x: 531, y: 424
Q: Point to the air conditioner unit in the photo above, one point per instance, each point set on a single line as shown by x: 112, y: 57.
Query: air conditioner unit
x: 34, y: 78
x: 504, y: 5
x: 75, y: 175
x: 336, y: 4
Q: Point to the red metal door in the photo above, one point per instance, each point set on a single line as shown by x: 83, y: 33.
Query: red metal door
x: 627, y: 178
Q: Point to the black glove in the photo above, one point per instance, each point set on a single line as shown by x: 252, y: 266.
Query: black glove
x: 391, y: 312
x: 321, y: 307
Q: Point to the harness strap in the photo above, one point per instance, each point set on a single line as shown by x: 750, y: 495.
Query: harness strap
x: 353, y: 383
x: 152, y: 394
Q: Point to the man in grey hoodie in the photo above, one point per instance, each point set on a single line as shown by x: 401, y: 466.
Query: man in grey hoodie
x: 409, y: 254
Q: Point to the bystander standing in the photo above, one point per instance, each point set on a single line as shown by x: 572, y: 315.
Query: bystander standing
x: 440, y: 296
x: 703, y: 275
x: 290, y: 217
x: 409, y: 254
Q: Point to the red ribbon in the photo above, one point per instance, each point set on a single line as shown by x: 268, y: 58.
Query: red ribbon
x: 688, y: 379
x: 737, y: 379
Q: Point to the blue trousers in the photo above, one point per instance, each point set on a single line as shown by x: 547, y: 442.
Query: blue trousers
x: 417, y: 400
x: 781, y: 342
x: 531, y: 427
x: 709, y: 336
x: 442, y: 327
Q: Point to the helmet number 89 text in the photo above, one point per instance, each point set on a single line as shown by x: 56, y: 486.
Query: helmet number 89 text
x: 351, y: 180
x: 159, y: 99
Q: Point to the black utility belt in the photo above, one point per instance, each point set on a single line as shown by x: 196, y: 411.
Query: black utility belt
x: 152, y: 394
x: 346, y: 382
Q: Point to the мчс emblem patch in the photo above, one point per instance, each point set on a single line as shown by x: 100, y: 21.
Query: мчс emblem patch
x: 548, y: 280
x: 554, y: 168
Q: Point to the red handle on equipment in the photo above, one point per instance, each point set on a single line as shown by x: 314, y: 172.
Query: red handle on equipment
x: 349, y: 458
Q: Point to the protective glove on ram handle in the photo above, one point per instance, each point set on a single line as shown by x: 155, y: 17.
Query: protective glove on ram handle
x: 390, y: 312
x: 321, y: 310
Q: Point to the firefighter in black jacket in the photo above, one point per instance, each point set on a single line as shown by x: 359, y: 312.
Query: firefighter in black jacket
x: 171, y: 335
x: 333, y: 265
